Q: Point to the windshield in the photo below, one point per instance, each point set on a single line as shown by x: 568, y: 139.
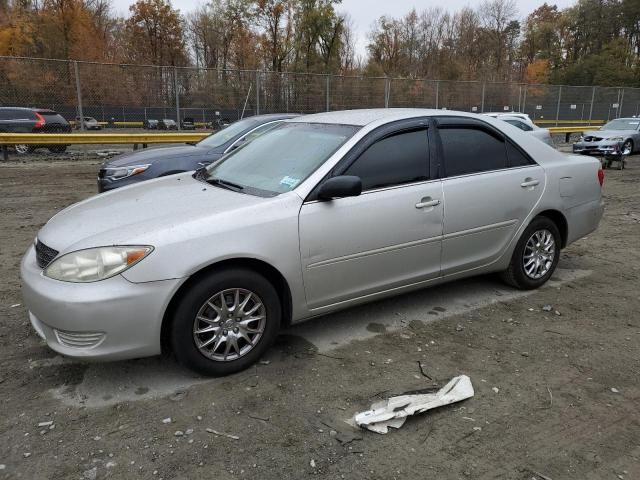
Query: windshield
x: 281, y: 159
x: 622, y: 124
x: 223, y: 136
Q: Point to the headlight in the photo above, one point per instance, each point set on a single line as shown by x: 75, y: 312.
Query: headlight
x: 95, y: 264
x: 615, y: 139
x: 118, y: 173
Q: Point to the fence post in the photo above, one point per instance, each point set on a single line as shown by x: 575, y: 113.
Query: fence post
x: 524, y: 99
x: 519, y: 98
x: 437, y: 93
x: 593, y: 97
x: 558, y: 106
x: 482, y: 101
x: 79, y: 94
x: 387, y: 87
x: 620, y: 103
x: 175, y: 89
x: 257, y: 92
x: 328, y: 100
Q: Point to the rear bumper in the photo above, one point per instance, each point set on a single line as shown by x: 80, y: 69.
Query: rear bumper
x: 584, y: 219
x: 113, y: 319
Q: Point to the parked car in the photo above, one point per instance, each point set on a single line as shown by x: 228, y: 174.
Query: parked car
x: 188, y: 123
x: 150, y: 124
x: 146, y: 164
x: 90, y: 123
x: 33, y: 120
x: 167, y: 124
x: 524, y: 123
x: 321, y: 213
x: 621, y: 135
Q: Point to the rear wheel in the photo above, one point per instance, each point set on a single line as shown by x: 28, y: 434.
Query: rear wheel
x: 225, y: 322
x: 536, y: 255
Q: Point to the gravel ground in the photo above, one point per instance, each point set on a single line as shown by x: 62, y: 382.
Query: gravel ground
x: 557, y: 391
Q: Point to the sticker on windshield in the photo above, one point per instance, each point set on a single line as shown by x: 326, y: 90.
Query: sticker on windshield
x: 289, y: 181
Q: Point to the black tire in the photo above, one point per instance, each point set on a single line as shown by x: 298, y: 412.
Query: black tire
x: 57, y: 148
x: 515, y: 275
x: 182, y: 339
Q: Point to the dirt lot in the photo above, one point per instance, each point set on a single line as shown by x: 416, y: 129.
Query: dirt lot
x: 557, y: 394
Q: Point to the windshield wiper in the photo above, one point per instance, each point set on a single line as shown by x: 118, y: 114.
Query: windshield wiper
x: 225, y: 184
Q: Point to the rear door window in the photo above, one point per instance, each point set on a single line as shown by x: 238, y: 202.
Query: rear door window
x: 469, y: 150
x: 394, y: 160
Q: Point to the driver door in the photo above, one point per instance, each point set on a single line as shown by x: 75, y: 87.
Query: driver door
x: 387, y: 237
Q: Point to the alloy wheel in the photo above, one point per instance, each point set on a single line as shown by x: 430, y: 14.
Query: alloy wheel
x: 539, y: 254
x: 229, y: 324
x: 21, y: 148
x: 627, y: 148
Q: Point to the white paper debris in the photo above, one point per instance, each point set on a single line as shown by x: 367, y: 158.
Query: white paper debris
x: 394, y: 411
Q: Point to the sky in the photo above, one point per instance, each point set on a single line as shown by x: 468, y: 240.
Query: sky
x: 365, y: 12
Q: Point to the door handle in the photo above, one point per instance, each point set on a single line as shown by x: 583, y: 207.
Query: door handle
x: 427, y: 202
x: 529, y: 182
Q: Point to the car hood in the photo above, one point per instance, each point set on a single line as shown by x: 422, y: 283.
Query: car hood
x: 147, y: 155
x: 609, y: 133
x: 144, y: 213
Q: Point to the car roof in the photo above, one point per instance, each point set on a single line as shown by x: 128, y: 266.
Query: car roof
x: 275, y: 116
x: 366, y: 116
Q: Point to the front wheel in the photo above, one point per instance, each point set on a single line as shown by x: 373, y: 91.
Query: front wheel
x: 225, y: 322
x: 627, y: 147
x: 536, y: 255
x: 22, y: 149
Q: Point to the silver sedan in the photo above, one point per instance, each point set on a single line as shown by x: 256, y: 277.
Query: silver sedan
x: 619, y: 136
x: 322, y: 213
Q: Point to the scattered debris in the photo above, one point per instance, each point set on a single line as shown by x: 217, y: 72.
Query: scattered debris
x: 496, y: 389
x: 614, y: 390
x: 264, y: 362
x: 547, y: 308
x: 459, y: 328
x: 90, y: 474
x: 424, y: 374
x: 45, y: 424
x: 394, y: 411
x: 256, y: 417
x: 179, y: 433
x: 110, y: 464
x: 15, y: 305
x: 167, y: 420
x: 221, y: 434
x: 26, y: 454
x: 312, y: 463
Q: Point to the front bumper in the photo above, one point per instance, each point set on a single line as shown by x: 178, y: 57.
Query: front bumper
x: 112, y: 319
x: 603, y: 147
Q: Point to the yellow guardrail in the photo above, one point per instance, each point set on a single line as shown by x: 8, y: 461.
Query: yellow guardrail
x: 98, y: 138
x: 580, y: 129
x: 570, y: 122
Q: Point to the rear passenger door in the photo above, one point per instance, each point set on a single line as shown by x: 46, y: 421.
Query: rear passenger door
x: 490, y: 186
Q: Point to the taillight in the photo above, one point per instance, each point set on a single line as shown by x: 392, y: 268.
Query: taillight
x: 601, y: 176
x: 39, y: 120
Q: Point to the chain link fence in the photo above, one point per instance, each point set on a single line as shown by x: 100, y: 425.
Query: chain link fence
x: 132, y: 94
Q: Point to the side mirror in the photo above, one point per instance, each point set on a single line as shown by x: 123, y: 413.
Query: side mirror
x: 340, y: 187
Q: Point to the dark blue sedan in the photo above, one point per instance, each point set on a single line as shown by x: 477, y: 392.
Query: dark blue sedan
x: 146, y: 164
